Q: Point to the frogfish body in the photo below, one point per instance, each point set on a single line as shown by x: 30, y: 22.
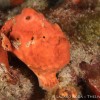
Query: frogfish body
x: 41, y: 45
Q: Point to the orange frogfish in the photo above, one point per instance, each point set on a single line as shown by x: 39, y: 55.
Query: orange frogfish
x: 41, y: 45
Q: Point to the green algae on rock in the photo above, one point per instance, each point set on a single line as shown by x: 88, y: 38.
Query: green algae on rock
x: 89, y: 27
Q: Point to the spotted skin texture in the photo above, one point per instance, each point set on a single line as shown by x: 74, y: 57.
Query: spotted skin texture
x: 41, y: 45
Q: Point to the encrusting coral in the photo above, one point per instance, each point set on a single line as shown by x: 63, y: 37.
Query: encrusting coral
x: 41, y: 45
